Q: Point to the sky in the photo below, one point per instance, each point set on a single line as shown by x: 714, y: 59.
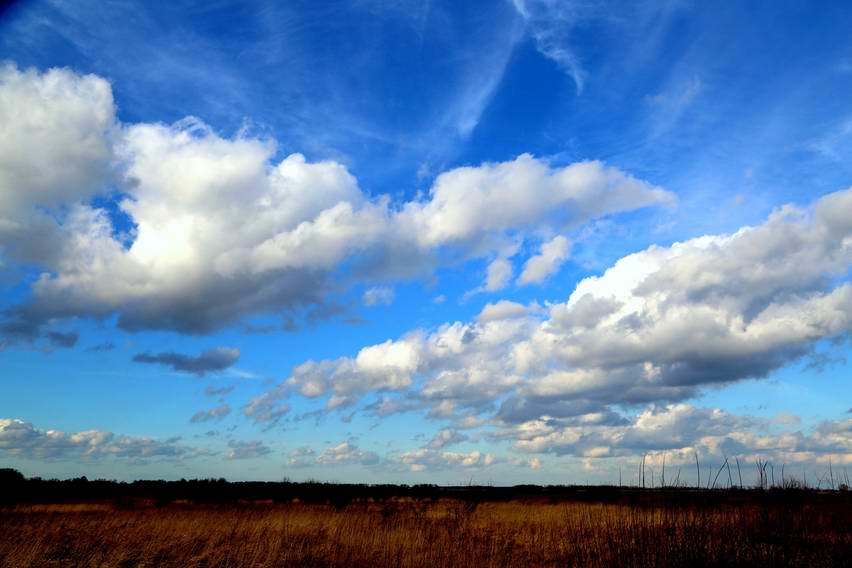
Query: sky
x: 525, y: 241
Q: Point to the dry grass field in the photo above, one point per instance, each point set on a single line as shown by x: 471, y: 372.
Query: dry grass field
x: 412, y: 533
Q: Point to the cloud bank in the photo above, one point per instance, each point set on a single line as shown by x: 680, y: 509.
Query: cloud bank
x: 176, y: 252
x: 656, y: 327
x: 22, y: 439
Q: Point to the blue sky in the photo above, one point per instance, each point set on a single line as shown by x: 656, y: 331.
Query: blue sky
x: 420, y: 241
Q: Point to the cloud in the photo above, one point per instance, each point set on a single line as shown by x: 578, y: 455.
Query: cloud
x: 378, y: 295
x: 182, y: 256
x: 471, y: 204
x: 498, y: 275
x: 247, y: 450
x: 553, y: 26
x: 387, y: 406
x: 678, y: 431
x: 532, y: 463
x: 430, y: 459
x: 503, y: 309
x: 550, y: 24
x: 62, y: 340
x: 462, y: 364
x: 547, y: 262
x: 446, y: 437
x: 267, y: 408
x: 23, y: 439
x: 209, y: 361
x: 301, y: 457
x: 669, y: 106
x: 221, y: 391
x: 657, y: 326
x: 346, y: 453
x: 217, y: 413
x: 54, y: 142
x: 101, y: 347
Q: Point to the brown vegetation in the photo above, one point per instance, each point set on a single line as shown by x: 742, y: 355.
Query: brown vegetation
x: 811, y: 529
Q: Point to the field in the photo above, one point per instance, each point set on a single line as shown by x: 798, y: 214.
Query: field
x: 610, y: 528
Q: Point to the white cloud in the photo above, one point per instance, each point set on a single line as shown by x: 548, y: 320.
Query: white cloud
x: 446, y: 437
x: 191, y: 262
x: 462, y: 364
x: 504, y: 309
x: 346, y: 453
x: 246, y: 450
x: 216, y: 413
x: 267, y: 408
x: 551, y: 24
x: 498, y: 275
x: 430, y: 459
x: 378, y: 295
x: 55, y: 148
x: 301, y: 457
x: 547, y: 262
x: 669, y: 106
x: 54, y: 138
x: 677, y: 431
x: 470, y: 204
x: 20, y: 438
x: 657, y: 326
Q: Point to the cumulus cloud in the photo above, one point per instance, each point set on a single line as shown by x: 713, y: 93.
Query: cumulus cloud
x: 550, y: 257
x: 346, y: 453
x: 470, y: 204
x: 301, y: 457
x: 657, y: 326
x: 503, y: 309
x: 446, y: 437
x: 23, y: 439
x: 378, y: 295
x: 216, y: 413
x: 183, y: 256
x: 209, y: 361
x: 457, y: 359
x: 678, y: 431
x: 246, y: 450
x: 55, y: 130
x: 430, y: 459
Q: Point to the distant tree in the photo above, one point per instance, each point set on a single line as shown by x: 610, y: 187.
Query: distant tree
x: 12, y: 483
x: 11, y: 476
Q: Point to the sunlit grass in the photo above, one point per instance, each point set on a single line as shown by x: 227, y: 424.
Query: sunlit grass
x: 446, y: 533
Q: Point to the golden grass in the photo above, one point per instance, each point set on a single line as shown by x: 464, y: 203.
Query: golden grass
x: 420, y: 534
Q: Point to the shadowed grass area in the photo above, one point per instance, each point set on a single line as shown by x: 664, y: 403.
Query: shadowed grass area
x: 446, y: 532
